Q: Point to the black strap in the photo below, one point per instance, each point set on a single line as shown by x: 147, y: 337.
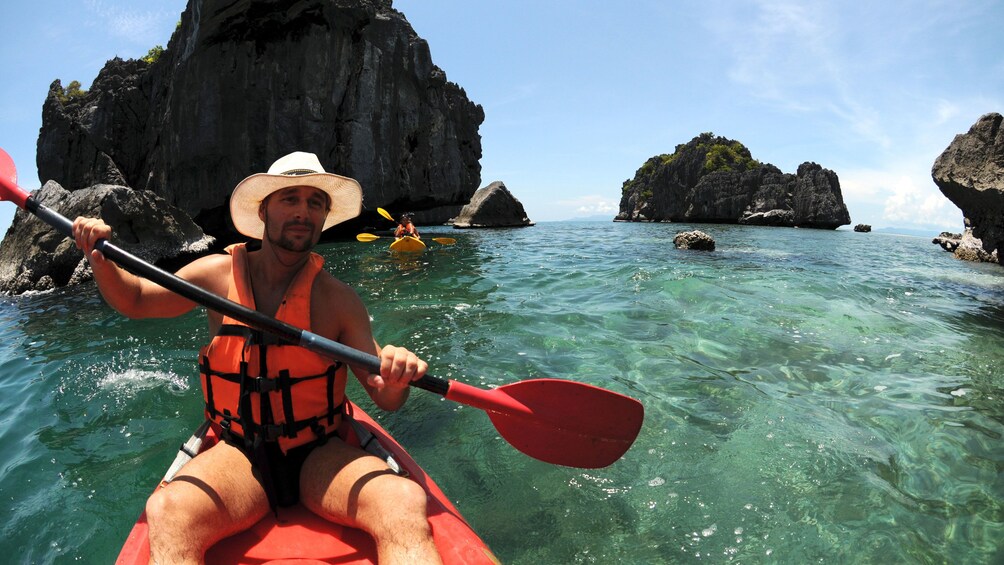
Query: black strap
x: 286, y: 386
x: 244, y: 411
x: 208, y: 372
x: 332, y: 372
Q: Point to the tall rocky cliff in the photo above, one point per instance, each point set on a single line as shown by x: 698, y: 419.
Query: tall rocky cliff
x: 243, y: 82
x: 970, y: 172
x: 716, y: 180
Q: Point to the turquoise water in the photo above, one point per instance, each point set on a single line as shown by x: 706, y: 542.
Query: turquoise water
x: 811, y: 396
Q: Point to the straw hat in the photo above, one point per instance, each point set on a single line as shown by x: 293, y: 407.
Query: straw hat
x: 296, y: 169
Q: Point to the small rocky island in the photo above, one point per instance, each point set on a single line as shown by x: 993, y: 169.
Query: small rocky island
x: 716, y: 180
x: 492, y: 206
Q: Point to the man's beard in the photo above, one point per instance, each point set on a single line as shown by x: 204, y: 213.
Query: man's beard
x: 284, y: 242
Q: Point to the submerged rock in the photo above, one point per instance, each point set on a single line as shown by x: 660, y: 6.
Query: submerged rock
x: 492, y: 206
x: 696, y: 240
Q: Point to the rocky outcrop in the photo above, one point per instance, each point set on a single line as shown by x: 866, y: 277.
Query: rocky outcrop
x: 492, y: 206
x: 143, y: 224
x: 243, y: 82
x: 863, y: 228
x: 965, y: 246
x: 696, y: 240
x: 970, y: 172
x: 716, y: 180
x: 947, y: 240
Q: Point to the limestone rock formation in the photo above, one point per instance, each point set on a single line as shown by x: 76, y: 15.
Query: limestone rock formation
x: 492, y: 206
x: 863, y: 228
x: 696, y: 240
x: 142, y: 223
x: 970, y: 172
x: 243, y: 82
x: 716, y: 180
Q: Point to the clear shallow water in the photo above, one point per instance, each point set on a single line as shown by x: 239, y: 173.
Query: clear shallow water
x: 810, y: 396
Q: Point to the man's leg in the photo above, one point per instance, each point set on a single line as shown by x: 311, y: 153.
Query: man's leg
x: 347, y: 485
x: 213, y: 496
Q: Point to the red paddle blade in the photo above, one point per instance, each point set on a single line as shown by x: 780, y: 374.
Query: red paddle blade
x: 9, y: 190
x: 561, y: 422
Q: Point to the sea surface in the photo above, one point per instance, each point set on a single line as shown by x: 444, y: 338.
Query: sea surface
x: 810, y: 396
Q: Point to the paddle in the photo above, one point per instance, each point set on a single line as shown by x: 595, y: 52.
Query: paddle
x: 385, y: 214
x: 367, y: 237
x: 555, y: 421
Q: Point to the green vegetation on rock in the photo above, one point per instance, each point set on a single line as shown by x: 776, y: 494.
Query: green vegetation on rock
x: 732, y: 157
x: 155, y: 52
x: 71, y: 91
x: 718, y: 154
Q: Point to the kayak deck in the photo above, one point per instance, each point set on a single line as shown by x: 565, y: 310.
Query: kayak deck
x: 298, y: 535
x: 408, y: 243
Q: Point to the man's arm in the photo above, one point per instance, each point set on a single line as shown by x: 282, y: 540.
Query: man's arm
x: 350, y: 325
x: 137, y: 297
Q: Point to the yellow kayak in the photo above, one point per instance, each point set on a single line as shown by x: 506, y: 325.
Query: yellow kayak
x: 408, y: 243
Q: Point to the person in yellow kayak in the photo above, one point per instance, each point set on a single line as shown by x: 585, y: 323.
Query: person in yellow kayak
x: 405, y: 227
x: 277, y: 406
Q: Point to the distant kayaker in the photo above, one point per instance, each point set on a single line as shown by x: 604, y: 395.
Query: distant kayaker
x: 277, y: 406
x: 405, y: 227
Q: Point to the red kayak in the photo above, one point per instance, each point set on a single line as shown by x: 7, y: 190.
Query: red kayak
x: 300, y: 536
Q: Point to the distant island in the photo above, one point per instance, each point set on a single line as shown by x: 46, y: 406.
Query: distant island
x: 906, y: 231
x: 713, y: 179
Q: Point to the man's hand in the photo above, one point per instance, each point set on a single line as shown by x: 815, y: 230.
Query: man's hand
x: 398, y: 367
x: 86, y: 233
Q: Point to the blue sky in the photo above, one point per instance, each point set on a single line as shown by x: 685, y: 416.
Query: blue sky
x: 578, y: 94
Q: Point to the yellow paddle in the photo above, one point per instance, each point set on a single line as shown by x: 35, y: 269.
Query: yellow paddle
x: 385, y: 214
x: 368, y: 237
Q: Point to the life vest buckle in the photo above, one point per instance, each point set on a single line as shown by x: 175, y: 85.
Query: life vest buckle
x: 226, y: 420
x: 264, y: 385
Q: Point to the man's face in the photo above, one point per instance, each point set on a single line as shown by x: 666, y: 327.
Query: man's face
x: 294, y: 217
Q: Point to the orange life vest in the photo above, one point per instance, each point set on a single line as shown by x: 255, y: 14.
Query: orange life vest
x: 260, y: 389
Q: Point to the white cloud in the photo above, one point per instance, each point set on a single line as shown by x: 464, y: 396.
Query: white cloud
x: 590, y: 205
x: 909, y: 204
x: 129, y: 23
x: 905, y: 196
x: 945, y: 111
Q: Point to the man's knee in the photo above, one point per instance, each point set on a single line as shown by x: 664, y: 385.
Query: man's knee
x: 408, y: 502
x: 164, y: 507
x: 168, y: 511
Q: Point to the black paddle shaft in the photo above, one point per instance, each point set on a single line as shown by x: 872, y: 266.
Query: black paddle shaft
x: 199, y: 295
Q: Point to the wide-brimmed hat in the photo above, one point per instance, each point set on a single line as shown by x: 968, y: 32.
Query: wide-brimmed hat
x: 296, y: 169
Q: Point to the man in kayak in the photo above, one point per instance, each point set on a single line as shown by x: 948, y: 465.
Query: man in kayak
x: 278, y: 406
x: 405, y: 227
